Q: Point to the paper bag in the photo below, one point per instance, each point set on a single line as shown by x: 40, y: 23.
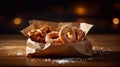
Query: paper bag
x: 35, y: 49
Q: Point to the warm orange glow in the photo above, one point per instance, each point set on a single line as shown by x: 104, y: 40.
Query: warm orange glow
x: 80, y: 11
x: 17, y: 21
x: 115, y: 21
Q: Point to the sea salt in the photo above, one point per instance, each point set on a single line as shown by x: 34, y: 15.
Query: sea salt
x: 60, y: 61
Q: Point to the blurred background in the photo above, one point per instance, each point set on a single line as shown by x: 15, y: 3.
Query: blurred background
x: 104, y: 14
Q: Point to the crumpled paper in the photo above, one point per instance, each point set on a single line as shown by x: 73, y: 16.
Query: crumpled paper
x: 35, y: 49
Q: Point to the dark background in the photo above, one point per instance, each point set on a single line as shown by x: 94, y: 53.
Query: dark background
x: 97, y: 12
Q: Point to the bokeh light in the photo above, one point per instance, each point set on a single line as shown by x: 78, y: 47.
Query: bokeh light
x: 80, y: 10
x: 17, y: 21
x: 115, y: 21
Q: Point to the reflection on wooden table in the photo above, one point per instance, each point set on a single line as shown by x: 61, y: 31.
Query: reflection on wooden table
x: 106, y: 53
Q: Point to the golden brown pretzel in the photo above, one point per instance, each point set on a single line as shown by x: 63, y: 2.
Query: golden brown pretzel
x: 64, y: 34
x: 53, y: 37
x: 67, y: 34
x: 79, y: 33
x: 35, y: 35
x: 46, y: 29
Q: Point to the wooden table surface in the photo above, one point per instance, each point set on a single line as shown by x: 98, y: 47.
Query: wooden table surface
x: 106, y: 52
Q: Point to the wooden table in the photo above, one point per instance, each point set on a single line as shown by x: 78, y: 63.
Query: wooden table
x: 106, y: 52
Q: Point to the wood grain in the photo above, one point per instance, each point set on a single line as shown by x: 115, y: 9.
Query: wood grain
x: 12, y: 52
